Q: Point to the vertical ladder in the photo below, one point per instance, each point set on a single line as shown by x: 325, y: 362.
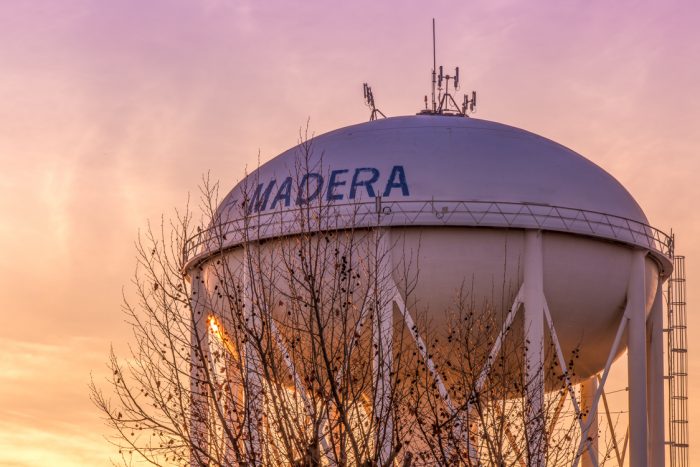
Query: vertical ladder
x: 677, y: 354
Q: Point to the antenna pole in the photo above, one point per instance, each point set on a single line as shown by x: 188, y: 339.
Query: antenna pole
x: 369, y: 101
x: 434, y: 66
x: 443, y: 102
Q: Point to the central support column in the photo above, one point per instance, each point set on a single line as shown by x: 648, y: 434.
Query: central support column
x: 636, y: 361
x: 588, y: 390
x: 533, y: 330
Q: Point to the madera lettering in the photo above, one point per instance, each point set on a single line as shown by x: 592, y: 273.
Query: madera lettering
x: 342, y: 184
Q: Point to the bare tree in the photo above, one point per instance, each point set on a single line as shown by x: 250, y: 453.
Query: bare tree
x: 296, y: 346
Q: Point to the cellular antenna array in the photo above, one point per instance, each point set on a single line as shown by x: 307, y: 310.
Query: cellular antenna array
x: 369, y: 101
x: 442, y: 100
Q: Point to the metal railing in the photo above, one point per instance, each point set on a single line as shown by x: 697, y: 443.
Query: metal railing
x: 381, y: 213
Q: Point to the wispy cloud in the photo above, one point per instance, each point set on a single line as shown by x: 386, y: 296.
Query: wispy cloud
x: 112, y: 110
x: 44, y: 405
x: 63, y: 445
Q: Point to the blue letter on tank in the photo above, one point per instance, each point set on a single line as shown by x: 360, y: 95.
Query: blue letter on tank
x: 340, y: 186
x: 397, y: 179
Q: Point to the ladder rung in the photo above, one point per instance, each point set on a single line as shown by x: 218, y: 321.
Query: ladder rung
x: 677, y: 362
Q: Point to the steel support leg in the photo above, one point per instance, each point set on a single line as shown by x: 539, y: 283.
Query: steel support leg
x: 382, y: 336
x: 655, y: 380
x: 383, y: 333
x: 603, y: 379
x: 253, y: 387
x: 588, y: 390
x: 459, y: 433
x: 636, y: 361
x: 199, y: 346
x: 534, y: 348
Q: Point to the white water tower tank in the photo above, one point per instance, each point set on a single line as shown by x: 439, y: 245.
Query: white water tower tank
x: 467, y: 190
x: 470, y: 198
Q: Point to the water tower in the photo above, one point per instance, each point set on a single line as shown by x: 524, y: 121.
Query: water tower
x: 583, y: 268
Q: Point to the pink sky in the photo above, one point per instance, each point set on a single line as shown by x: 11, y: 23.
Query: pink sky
x: 111, y: 110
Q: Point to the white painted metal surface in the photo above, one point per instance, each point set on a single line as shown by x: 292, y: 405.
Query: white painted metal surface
x: 636, y: 366
x: 420, y: 174
x: 588, y: 390
x: 442, y: 158
x: 533, y: 330
x: 522, y: 219
x: 501, y: 175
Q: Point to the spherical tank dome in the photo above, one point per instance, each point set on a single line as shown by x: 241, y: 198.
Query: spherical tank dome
x: 460, y: 196
x: 451, y: 158
x: 444, y: 170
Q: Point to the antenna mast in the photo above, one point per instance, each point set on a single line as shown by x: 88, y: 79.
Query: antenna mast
x: 444, y: 103
x: 369, y: 102
x: 434, y: 66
